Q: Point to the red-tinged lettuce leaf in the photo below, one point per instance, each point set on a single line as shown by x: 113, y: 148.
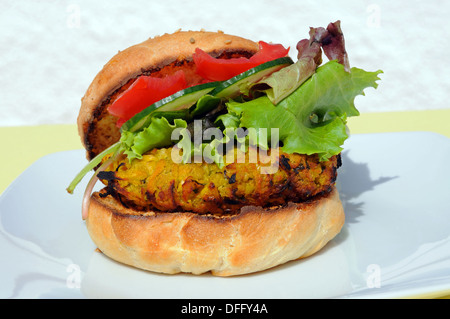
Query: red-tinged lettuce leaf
x: 282, y: 83
x: 332, y: 41
x: 312, y: 119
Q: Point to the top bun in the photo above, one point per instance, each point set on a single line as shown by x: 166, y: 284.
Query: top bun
x: 96, y: 127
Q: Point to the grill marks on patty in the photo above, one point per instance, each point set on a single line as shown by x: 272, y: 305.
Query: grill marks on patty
x: 157, y: 183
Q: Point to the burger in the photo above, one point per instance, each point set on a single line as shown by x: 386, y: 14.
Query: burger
x: 217, y: 153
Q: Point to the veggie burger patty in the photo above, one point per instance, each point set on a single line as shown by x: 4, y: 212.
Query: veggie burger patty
x: 158, y: 183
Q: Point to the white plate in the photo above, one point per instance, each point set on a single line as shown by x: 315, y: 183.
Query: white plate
x: 396, y: 241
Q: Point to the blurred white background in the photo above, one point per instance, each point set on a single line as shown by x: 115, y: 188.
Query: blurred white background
x: 51, y: 50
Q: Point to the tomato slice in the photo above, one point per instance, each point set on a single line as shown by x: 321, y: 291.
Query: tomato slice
x: 145, y: 91
x: 213, y: 69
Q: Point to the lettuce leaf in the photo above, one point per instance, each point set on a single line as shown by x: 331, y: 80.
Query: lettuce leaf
x: 283, y: 82
x: 187, y: 151
x: 311, y: 119
x: 157, y: 134
x: 332, y: 42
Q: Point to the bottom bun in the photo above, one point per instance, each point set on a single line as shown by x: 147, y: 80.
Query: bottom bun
x: 251, y: 240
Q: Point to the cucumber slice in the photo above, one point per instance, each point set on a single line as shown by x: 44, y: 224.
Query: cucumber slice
x: 181, y: 100
x: 232, y: 87
x: 184, y: 99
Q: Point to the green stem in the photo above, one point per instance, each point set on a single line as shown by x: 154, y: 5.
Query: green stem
x: 91, y: 165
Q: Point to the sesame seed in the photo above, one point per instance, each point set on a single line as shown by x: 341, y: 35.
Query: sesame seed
x: 228, y: 41
x: 192, y: 40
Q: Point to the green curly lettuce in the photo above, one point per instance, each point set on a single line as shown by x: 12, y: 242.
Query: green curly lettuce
x: 311, y: 119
